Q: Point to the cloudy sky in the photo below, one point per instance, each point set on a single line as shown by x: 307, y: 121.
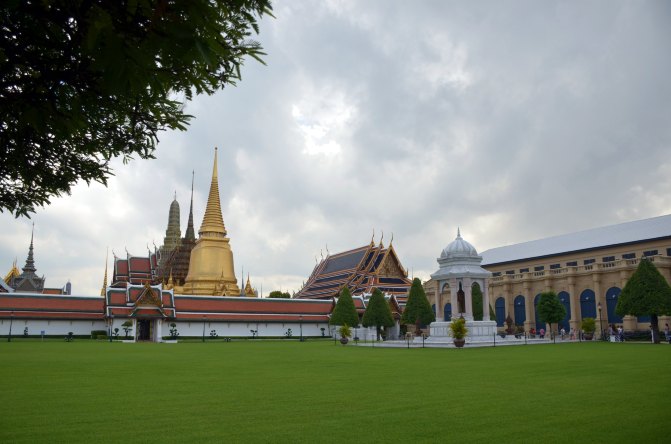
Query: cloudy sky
x: 513, y: 120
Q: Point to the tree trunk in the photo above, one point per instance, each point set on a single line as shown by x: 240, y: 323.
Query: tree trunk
x: 417, y: 330
x: 377, y: 331
x: 655, y: 329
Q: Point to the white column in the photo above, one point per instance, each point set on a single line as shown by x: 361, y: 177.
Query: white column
x: 485, y: 300
x: 437, y: 300
x: 454, y: 288
x: 468, y: 295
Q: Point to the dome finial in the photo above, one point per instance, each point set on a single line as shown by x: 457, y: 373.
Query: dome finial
x: 458, y: 233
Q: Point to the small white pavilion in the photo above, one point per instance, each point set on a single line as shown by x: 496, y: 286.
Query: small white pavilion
x: 459, y: 269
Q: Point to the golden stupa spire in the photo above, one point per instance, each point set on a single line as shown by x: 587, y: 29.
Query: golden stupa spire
x: 213, y: 221
x: 102, y: 290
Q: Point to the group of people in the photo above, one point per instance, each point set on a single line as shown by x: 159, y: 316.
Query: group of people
x: 616, y: 332
x: 541, y: 332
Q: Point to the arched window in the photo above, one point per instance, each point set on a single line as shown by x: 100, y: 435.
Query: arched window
x: 520, y: 310
x: 447, y: 311
x: 587, y: 304
x: 500, y: 308
x: 612, y: 295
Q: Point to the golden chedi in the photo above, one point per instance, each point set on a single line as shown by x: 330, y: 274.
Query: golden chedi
x: 211, y: 269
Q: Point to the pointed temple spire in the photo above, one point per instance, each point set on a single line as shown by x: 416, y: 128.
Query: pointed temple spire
x: 190, y: 233
x: 30, y: 262
x: 458, y: 233
x: 213, y: 221
x: 102, y: 290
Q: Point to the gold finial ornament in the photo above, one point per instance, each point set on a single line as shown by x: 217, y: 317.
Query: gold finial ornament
x: 211, y: 268
x: 102, y: 290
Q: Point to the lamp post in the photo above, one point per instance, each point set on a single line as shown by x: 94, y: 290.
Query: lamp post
x: 11, y: 321
x: 301, y: 326
x: 598, y: 306
x: 203, y: 328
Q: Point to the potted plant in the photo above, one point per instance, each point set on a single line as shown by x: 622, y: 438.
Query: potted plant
x: 345, y: 332
x: 458, y: 331
x: 588, y: 327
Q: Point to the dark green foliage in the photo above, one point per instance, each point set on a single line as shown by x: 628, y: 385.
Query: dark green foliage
x: 277, y: 294
x: 646, y: 293
x: 84, y: 82
x: 378, y: 313
x: 344, y: 311
x: 588, y: 325
x: 417, y: 310
x: 476, y: 297
x: 550, y: 309
x: 96, y: 333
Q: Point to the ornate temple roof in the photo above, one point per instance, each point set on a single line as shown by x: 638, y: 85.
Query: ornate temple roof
x: 38, y: 306
x: 361, y: 269
x: 135, y: 270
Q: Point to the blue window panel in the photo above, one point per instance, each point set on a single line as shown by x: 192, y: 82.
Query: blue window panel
x: 510, y: 272
x: 572, y: 264
x: 447, y: 311
x: 520, y: 312
x: 645, y: 318
x: 612, y: 296
x: 555, y: 266
x: 565, y: 299
x: 587, y: 304
x: 433, y: 307
x: 524, y: 270
x: 588, y: 261
x: 629, y: 256
x: 650, y: 253
x: 539, y: 324
x: 500, y: 308
x: 539, y: 268
x: 608, y: 259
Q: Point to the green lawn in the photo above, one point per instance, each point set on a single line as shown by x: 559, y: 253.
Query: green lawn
x: 249, y: 391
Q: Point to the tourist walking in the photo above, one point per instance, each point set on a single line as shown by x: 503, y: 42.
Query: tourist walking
x: 620, y: 333
x: 666, y: 331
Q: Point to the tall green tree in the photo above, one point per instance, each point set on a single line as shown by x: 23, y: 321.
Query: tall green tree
x: 646, y: 293
x: 345, y: 311
x: 277, y: 294
x: 476, y: 297
x: 550, y: 309
x: 417, y: 309
x: 378, y: 314
x: 83, y: 82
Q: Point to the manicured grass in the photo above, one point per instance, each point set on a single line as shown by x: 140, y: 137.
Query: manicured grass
x: 282, y: 391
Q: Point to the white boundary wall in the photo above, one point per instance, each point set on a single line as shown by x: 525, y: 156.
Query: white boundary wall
x: 50, y: 327
x: 162, y: 328
x: 242, y: 329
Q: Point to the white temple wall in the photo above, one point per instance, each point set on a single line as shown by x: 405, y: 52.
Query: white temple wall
x: 50, y: 327
x: 242, y: 329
